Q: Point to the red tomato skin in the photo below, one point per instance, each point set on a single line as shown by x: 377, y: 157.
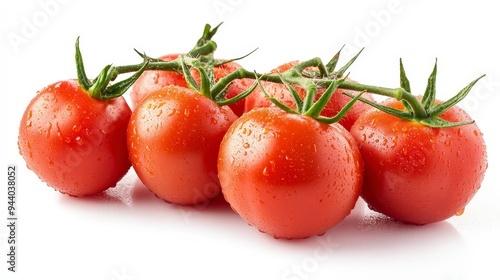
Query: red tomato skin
x: 153, y: 80
x: 257, y: 98
x: 417, y: 174
x: 289, y: 175
x: 74, y: 143
x: 173, y: 141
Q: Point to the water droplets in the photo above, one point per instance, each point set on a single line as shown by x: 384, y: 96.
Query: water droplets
x: 76, y: 127
x: 49, y: 128
x: 460, y: 212
x: 246, y: 145
x: 79, y: 140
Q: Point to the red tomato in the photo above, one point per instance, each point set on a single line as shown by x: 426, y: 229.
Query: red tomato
x: 289, y: 175
x: 173, y: 141
x: 415, y: 173
x: 337, y: 102
x: 75, y: 143
x: 153, y: 80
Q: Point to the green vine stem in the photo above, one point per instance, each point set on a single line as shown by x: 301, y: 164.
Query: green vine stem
x: 309, y: 75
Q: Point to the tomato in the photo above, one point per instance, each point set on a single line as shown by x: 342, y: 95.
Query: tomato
x: 288, y: 174
x: 73, y: 142
x: 337, y: 102
x: 153, y: 80
x: 418, y: 174
x: 173, y: 140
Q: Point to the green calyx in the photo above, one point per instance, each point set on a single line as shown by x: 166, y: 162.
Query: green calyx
x: 100, y: 87
x: 425, y: 110
x: 310, y: 75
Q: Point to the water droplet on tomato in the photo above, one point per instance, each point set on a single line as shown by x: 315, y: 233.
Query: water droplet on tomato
x: 186, y: 112
x: 159, y: 113
x: 361, y: 127
x: 476, y: 133
x: 28, y: 124
x: 447, y: 142
x: 77, y: 127
x: 148, y: 148
x: 171, y: 113
x: 460, y: 212
x: 68, y: 107
x: 79, y: 140
x: 213, y: 120
x: 246, y: 145
x: 265, y: 172
x: 460, y: 133
x: 51, y: 163
x: 47, y: 133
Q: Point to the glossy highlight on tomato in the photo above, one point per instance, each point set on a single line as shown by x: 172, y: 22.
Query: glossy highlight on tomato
x: 289, y: 175
x: 73, y: 142
x: 415, y: 173
x: 173, y: 140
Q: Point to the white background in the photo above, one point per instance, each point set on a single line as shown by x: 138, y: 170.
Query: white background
x: 126, y: 233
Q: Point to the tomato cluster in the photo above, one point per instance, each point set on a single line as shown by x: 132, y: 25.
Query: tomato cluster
x: 272, y: 155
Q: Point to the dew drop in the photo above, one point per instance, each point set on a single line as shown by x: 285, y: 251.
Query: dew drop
x: 361, y: 127
x: 28, y: 124
x: 77, y: 127
x: 47, y: 134
x: 148, y: 148
x: 265, y: 172
x: 68, y: 107
x: 159, y: 113
x: 460, y: 133
x: 246, y: 145
x: 171, y: 113
x: 186, y: 112
x: 213, y: 120
x: 79, y: 140
x: 460, y: 212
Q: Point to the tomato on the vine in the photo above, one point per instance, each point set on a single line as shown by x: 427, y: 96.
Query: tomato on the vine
x: 416, y: 173
x: 173, y: 140
x: 289, y: 175
x: 257, y: 98
x: 73, y: 142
